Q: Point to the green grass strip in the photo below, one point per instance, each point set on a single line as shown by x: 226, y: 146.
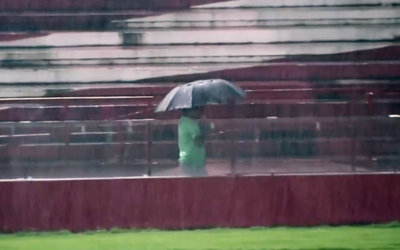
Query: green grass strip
x: 384, y: 236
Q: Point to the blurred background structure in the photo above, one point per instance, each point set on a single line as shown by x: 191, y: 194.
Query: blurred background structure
x: 79, y: 81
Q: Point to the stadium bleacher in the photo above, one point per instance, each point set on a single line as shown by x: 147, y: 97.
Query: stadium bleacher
x: 79, y: 83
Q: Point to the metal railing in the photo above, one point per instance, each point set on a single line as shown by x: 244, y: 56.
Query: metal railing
x: 234, y: 146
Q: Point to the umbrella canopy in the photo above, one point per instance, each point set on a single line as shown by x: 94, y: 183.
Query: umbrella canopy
x: 200, y: 93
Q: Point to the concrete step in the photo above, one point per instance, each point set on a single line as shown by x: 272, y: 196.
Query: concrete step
x: 270, y: 35
x: 67, y: 15
x: 262, y: 17
x: 57, y: 39
x: 137, y: 25
x: 347, y: 33
x: 101, y: 73
x: 101, y: 5
x: 185, y: 73
x: 291, y: 3
x: 164, y: 54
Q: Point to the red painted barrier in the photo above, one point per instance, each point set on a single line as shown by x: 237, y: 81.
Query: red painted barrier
x: 298, y: 72
x: 36, y: 15
x: 35, y: 21
x: 71, y: 5
x: 175, y: 203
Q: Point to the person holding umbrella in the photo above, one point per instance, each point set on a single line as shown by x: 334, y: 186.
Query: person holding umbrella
x: 191, y: 136
x: 191, y: 98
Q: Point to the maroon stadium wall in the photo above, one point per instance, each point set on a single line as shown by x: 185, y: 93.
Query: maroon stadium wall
x: 176, y: 203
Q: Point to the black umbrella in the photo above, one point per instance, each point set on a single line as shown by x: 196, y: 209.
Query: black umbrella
x: 200, y: 93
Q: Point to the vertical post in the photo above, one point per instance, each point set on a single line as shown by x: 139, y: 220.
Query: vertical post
x: 352, y: 147
x: 370, y: 128
x: 66, y: 138
x: 233, y: 155
x: 11, y: 148
x: 352, y: 132
x: 233, y: 139
x: 66, y: 133
x: 148, y: 149
x: 64, y: 113
x: 256, y: 145
x: 121, y: 138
